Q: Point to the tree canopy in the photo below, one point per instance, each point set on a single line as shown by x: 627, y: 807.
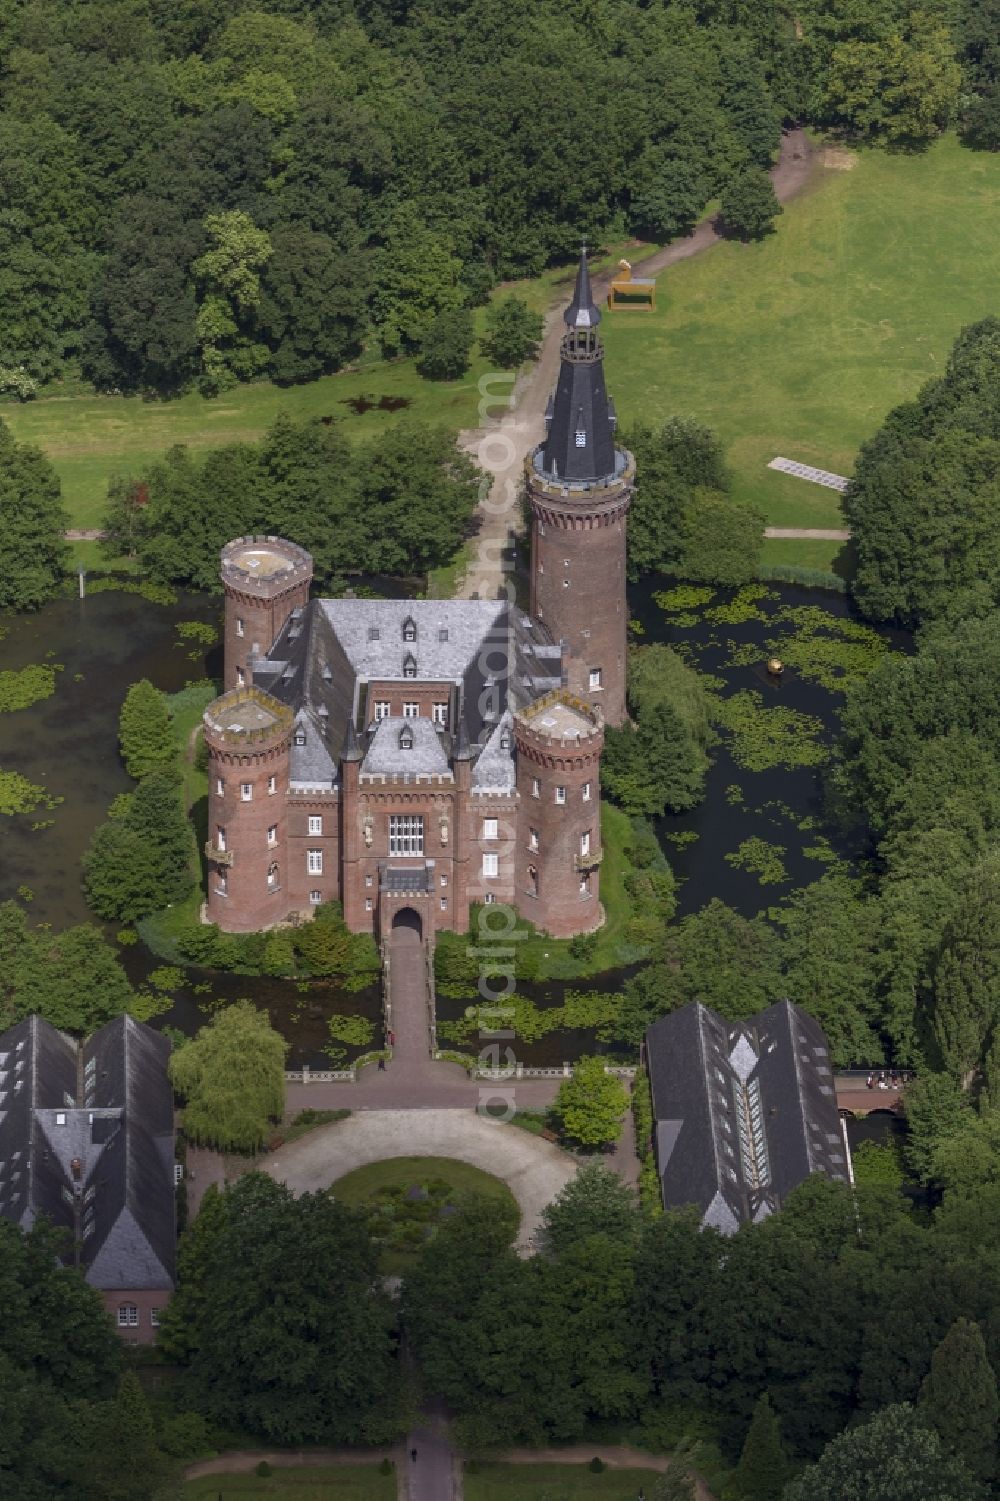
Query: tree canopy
x: 232, y: 1078
x: 32, y: 520
x: 72, y: 978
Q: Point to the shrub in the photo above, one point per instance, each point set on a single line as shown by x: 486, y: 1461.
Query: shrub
x: 597, y: 1465
x: 263, y: 1469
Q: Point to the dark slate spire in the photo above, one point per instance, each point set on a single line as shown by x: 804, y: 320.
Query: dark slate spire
x: 352, y: 749
x: 579, y: 446
x: 582, y: 311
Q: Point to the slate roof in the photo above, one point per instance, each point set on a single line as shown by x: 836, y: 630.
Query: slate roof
x: 743, y: 1111
x: 91, y: 1134
x: 492, y: 655
x: 426, y: 757
x: 579, y: 446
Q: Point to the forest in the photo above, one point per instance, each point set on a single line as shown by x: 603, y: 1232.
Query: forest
x: 278, y: 184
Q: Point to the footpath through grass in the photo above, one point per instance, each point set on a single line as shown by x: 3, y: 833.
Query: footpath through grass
x: 305, y: 1483
x: 801, y: 344
x: 555, y: 1482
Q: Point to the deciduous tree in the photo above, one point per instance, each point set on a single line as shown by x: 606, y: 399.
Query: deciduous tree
x: 232, y: 1077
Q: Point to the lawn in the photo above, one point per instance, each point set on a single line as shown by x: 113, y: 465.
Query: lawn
x: 800, y: 345
x: 402, y: 1224
x: 322, y: 1483
x: 558, y: 1482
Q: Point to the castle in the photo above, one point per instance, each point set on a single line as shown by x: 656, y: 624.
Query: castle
x: 411, y: 757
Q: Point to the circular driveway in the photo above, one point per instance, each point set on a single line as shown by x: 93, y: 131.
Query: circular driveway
x: 534, y: 1170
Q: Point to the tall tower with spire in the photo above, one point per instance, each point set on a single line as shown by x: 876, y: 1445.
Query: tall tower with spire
x: 579, y: 490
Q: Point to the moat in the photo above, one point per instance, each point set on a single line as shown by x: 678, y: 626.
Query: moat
x: 105, y: 642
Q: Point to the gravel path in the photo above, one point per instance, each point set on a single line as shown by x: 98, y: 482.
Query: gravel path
x: 811, y: 533
x: 534, y: 1170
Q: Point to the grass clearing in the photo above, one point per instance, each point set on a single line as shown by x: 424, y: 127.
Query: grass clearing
x: 555, y: 1482
x: 403, y: 1224
x: 801, y: 344
x: 299, y: 1483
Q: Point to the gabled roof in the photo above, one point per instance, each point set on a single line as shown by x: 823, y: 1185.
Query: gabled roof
x: 426, y: 756
x: 743, y: 1111
x: 94, y: 1144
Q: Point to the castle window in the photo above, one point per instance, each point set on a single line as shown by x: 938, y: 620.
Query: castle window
x: 409, y: 629
x: 586, y: 792
x: 411, y: 711
x: 272, y: 877
x: 406, y: 834
x: 560, y: 794
x: 246, y: 791
x: 239, y: 628
x: 444, y: 880
x: 595, y: 677
x: 406, y: 738
x: 369, y: 880
x: 272, y: 835
x: 314, y: 862
x: 154, y: 1317
x: 439, y: 713
x: 315, y: 897
x: 241, y: 677
x: 585, y: 842
x: 382, y: 707
x: 491, y: 828
x: 315, y: 824
x: 409, y: 667
x: 580, y: 438
x: 532, y: 839
x: 489, y: 898
x: 220, y: 786
x: 585, y: 884
x: 222, y: 883
x: 220, y: 837
x: 128, y: 1316
x: 565, y: 583
x: 300, y: 737
x: 444, y: 904
x: 369, y: 904
x: 533, y: 879
x: 272, y: 786
x: 491, y: 867
x: 536, y: 787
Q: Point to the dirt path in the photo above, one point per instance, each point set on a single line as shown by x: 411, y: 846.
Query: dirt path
x: 615, y: 1456
x: 808, y: 533
x: 500, y: 444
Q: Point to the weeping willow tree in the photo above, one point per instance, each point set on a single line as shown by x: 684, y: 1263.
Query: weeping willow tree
x: 232, y: 1076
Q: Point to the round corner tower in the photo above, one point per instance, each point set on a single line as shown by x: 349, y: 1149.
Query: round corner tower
x: 265, y: 579
x: 248, y: 734
x: 580, y: 488
x: 559, y: 739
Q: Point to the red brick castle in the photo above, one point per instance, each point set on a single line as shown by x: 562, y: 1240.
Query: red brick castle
x: 411, y: 757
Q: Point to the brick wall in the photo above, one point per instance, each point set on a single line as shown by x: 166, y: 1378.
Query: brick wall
x: 143, y: 1304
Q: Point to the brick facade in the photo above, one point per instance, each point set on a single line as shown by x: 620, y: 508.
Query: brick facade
x: 578, y: 581
x: 264, y: 580
x: 132, y: 1312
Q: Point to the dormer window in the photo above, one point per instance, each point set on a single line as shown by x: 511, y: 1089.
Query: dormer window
x: 505, y: 740
x: 443, y: 633
x: 327, y: 673
x: 300, y: 737
x: 406, y: 738
x: 409, y: 629
x: 374, y: 633
x: 580, y: 438
x: 409, y: 666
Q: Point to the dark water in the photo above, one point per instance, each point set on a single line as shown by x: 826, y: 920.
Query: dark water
x: 108, y: 641
x: 556, y: 1047
x: 69, y: 744
x: 772, y: 803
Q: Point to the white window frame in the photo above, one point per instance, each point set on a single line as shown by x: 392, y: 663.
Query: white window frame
x: 596, y: 679
x: 560, y: 795
x: 406, y: 833
x: 314, y: 862
x: 272, y: 836
x: 439, y: 714
x: 491, y: 828
x: 273, y: 876
x: 128, y: 1316
x: 411, y: 711
x: 586, y: 792
x: 220, y: 837
x: 533, y: 839
x: 220, y: 786
x: 536, y: 787
x: 154, y: 1317
x: 382, y: 708
x: 315, y: 897
x: 246, y: 792
x: 241, y: 678
x: 585, y: 842
x: 315, y: 823
x: 240, y: 631
x: 272, y: 786
x: 491, y: 866
x: 369, y: 904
